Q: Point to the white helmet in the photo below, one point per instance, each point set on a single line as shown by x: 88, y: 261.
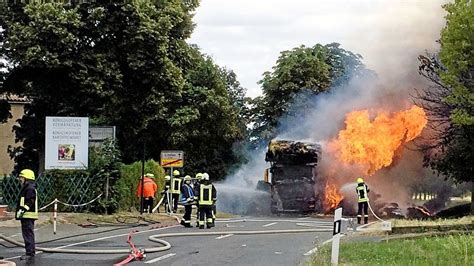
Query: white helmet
x: 205, y: 176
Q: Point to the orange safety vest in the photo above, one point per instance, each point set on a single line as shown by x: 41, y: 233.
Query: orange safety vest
x: 149, y: 189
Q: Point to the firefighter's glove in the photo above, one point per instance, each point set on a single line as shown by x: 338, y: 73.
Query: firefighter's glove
x: 21, y: 212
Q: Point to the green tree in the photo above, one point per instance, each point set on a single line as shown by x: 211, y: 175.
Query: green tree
x: 125, y: 64
x: 206, y: 124
x: 311, y: 70
x: 457, y: 55
x: 449, y: 101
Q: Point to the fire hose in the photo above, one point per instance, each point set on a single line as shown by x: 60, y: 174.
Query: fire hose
x: 372, y: 211
x: 165, y: 245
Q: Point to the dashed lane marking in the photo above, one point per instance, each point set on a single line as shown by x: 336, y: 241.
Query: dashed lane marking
x: 160, y: 258
x: 224, y: 236
x: 270, y: 224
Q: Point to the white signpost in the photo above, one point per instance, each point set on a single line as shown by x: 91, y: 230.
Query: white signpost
x: 336, y: 236
x: 67, y: 142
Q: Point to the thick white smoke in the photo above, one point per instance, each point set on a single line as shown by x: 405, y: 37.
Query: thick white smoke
x: 399, y: 31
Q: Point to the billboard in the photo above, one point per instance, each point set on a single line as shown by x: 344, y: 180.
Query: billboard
x: 66, y: 142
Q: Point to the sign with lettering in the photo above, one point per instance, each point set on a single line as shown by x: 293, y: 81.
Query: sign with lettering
x: 172, y: 158
x: 67, y: 142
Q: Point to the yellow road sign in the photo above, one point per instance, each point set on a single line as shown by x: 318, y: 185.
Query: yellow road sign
x: 172, y: 159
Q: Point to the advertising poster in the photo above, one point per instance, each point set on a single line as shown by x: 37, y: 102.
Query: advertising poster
x: 67, y: 141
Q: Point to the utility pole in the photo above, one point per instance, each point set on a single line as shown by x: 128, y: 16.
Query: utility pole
x: 143, y: 179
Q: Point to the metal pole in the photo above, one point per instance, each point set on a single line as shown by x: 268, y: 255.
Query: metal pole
x: 106, y: 193
x: 143, y: 179
x: 171, y: 185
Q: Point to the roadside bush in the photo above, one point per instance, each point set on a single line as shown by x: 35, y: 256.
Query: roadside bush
x: 129, y: 178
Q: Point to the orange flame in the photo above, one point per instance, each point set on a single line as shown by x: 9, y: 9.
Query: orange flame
x: 331, y: 197
x: 373, y: 144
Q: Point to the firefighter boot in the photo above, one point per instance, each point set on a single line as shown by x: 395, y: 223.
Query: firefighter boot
x: 366, y: 220
x: 359, y: 220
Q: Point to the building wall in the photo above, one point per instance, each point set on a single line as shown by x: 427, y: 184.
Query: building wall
x: 7, y: 137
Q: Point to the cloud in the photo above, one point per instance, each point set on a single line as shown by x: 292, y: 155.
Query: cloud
x: 247, y: 36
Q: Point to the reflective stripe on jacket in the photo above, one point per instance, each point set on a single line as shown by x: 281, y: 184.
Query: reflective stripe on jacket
x: 28, y: 202
x: 205, y: 194
x: 175, y: 185
x: 362, y: 191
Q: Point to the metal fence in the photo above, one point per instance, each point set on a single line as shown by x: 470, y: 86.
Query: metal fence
x: 73, y: 189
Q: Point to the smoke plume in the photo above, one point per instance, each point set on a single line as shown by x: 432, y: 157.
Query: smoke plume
x: 399, y: 31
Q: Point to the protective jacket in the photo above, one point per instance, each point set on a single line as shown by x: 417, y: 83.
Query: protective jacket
x: 206, y: 194
x: 362, y: 192
x: 187, y: 194
x: 149, y: 188
x: 175, y: 185
x: 27, y: 205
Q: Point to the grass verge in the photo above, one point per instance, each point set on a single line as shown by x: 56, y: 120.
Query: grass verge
x: 405, y: 222
x: 445, y: 250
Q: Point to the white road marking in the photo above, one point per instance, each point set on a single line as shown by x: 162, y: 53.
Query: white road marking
x: 224, y: 236
x: 160, y: 258
x: 303, y: 218
x: 270, y: 224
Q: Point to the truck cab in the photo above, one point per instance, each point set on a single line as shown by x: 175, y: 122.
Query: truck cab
x: 291, y: 176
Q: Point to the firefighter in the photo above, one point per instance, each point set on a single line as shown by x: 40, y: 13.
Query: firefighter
x: 206, y: 194
x: 197, y: 181
x: 187, y: 199
x: 166, y: 194
x: 149, y: 191
x: 175, y: 189
x: 27, y: 211
x: 362, y: 191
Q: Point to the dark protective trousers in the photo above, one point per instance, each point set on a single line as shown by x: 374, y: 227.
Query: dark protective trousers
x: 205, y: 216
x: 187, y: 215
x: 214, y: 212
x: 27, y: 230
x: 197, y: 213
x: 175, y: 202
x: 148, y: 204
x: 363, y: 206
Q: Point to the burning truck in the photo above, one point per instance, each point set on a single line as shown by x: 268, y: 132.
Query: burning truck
x: 291, y: 176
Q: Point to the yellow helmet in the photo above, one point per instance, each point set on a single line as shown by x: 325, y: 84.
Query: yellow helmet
x: 199, y: 176
x: 176, y: 172
x: 360, y: 180
x: 27, y: 174
x: 187, y: 178
x: 167, y: 178
x: 150, y: 175
x: 205, y: 176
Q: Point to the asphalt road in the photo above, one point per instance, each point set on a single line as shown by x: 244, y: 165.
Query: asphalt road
x: 222, y: 249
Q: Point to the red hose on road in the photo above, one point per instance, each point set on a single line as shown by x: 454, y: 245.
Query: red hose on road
x: 135, y: 253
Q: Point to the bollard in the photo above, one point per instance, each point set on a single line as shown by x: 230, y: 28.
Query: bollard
x: 336, y: 236
x: 55, y: 215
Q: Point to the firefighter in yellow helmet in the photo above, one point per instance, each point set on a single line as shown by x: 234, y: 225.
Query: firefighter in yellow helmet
x: 187, y: 200
x: 206, y: 194
x: 362, y: 191
x: 165, y: 194
x: 197, y: 181
x: 27, y: 211
x: 175, y: 189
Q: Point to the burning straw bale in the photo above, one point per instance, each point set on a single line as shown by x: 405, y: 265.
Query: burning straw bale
x: 291, y: 152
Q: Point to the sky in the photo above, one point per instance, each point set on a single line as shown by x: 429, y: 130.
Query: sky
x: 247, y: 36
